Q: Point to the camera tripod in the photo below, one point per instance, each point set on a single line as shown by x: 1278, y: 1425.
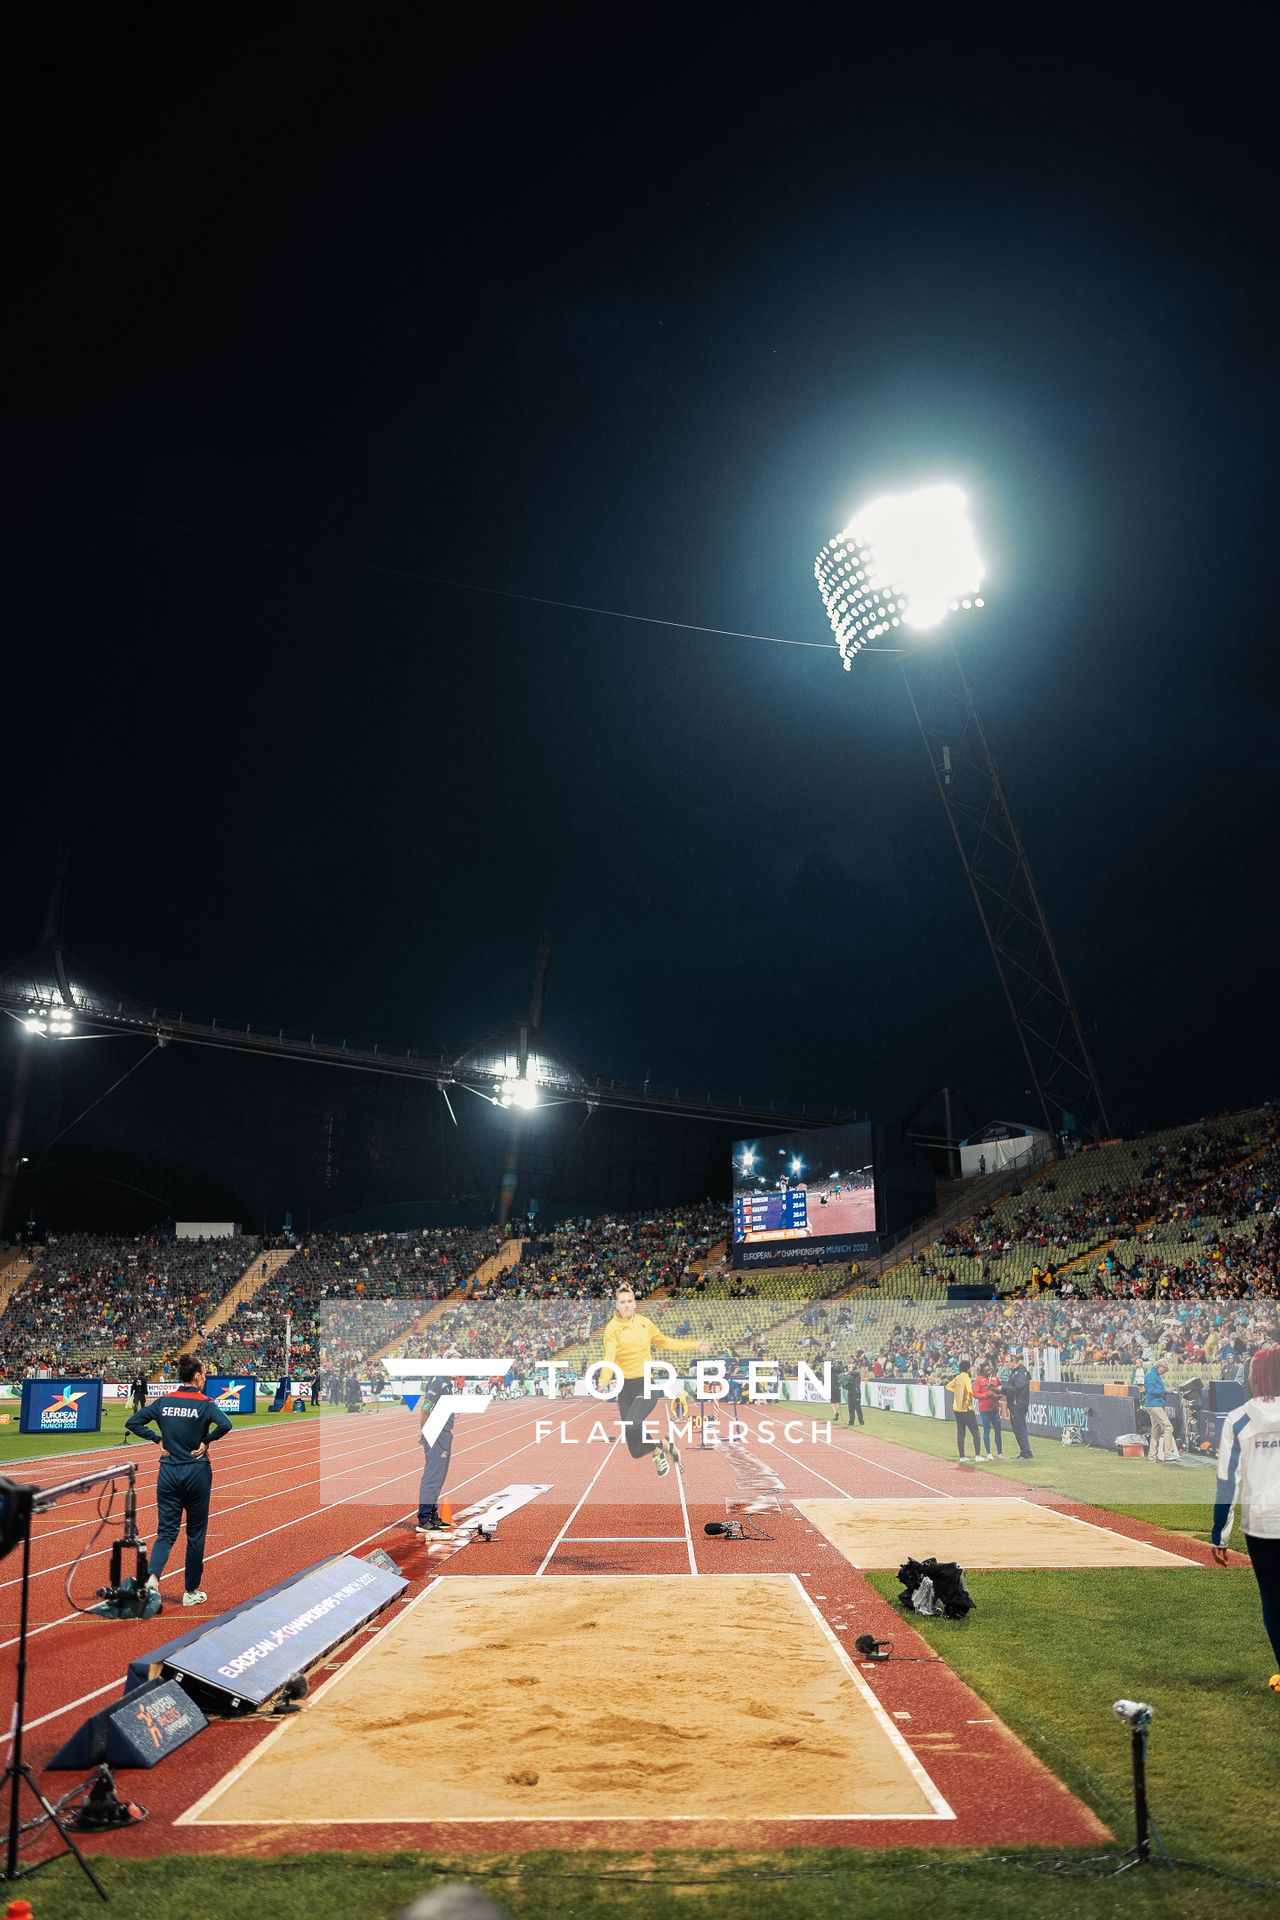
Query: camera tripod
x: 18, y: 1503
x: 17, y: 1772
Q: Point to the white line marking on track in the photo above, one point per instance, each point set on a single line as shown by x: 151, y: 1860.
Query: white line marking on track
x: 941, y: 1810
x: 877, y: 1464
x: 222, y: 1485
x: 113, y: 1686
x: 688, y: 1530
x: 581, y: 1502
x: 410, y: 1473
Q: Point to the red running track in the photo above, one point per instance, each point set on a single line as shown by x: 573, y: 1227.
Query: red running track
x: 285, y: 1497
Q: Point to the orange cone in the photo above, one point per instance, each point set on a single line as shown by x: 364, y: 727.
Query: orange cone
x: 18, y: 1910
x: 445, y: 1509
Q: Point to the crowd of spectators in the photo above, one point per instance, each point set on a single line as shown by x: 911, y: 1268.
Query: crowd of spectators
x: 1168, y: 1245
x: 1211, y: 1338
x: 94, y: 1304
x: 348, y: 1295
x: 1211, y: 1174
x: 591, y: 1258
x: 561, y: 1293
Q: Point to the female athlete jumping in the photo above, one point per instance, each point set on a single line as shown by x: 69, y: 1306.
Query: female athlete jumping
x: 629, y: 1340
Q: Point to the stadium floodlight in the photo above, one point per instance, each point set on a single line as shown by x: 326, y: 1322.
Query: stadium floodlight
x: 56, y: 1022
x: 518, y: 1093
x: 904, y: 560
x: 904, y: 563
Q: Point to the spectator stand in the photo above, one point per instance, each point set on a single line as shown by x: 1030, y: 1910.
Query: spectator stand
x: 266, y: 1261
x: 112, y: 1305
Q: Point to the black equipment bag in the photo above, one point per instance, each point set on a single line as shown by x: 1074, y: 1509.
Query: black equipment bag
x: 933, y: 1587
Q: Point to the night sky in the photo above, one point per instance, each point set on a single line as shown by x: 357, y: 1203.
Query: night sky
x: 638, y: 323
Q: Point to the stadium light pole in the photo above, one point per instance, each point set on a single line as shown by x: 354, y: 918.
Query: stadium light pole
x: 902, y: 567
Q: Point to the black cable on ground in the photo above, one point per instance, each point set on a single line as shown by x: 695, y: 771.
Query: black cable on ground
x: 104, y: 1520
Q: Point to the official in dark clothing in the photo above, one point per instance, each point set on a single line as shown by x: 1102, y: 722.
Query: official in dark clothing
x: 853, y: 1392
x: 436, y: 1455
x: 189, y: 1423
x: 1017, y: 1391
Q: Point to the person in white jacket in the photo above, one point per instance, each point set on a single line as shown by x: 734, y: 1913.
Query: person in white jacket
x: 1249, y: 1472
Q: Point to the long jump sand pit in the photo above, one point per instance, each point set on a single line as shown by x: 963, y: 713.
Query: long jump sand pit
x: 586, y: 1697
x: 977, y: 1533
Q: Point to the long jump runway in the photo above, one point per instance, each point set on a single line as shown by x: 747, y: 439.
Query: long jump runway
x: 584, y: 1666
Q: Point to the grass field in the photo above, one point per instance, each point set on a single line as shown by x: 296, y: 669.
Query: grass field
x: 1049, y: 1652
x: 1081, y: 1473
x: 778, y: 1886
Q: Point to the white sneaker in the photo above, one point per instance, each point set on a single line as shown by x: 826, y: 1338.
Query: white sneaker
x: 194, y: 1599
x: 153, y: 1583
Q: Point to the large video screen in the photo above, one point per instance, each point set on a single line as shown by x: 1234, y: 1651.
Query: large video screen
x: 808, y: 1195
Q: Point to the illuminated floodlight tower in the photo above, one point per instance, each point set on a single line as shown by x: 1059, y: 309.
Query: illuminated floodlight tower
x: 898, y: 571
x: 906, y: 561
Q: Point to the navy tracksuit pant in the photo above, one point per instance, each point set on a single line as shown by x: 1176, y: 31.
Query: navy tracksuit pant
x: 1265, y: 1555
x: 435, y: 1471
x: 183, y: 1488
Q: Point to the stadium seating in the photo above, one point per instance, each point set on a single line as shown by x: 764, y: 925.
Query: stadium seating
x: 1168, y: 1244
x: 113, y: 1305
x: 348, y: 1295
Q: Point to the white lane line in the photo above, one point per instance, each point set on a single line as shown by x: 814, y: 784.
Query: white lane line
x: 223, y: 1484
x: 688, y: 1531
x: 238, y: 1450
x: 380, y: 1458
x: 613, y: 1448
x: 879, y: 1465
x: 941, y: 1811
x: 391, y: 1525
x: 240, y: 1438
x: 410, y: 1473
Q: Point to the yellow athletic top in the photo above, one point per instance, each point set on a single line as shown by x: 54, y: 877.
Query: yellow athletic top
x: 962, y: 1393
x: 630, y: 1343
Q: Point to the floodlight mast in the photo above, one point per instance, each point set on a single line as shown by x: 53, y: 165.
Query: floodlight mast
x: 1039, y: 998
x: 909, y: 562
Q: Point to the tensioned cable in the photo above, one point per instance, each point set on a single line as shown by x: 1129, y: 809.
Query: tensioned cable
x: 412, y: 573
x: 102, y: 1096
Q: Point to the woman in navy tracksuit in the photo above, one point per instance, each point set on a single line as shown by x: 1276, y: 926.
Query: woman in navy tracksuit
x: 189, y: 1423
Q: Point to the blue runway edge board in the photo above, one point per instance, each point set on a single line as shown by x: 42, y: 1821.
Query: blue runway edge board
x: 250, y: 1656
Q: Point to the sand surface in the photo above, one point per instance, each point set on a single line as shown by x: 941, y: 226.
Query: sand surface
x: 581, y: 1697
x: 987, y: 1532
